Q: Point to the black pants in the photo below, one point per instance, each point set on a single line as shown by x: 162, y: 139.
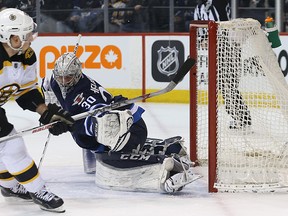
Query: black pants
x: 5, y: 126
x: 229, y: 79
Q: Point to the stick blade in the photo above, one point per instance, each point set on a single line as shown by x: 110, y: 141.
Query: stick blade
x: 184, y: 69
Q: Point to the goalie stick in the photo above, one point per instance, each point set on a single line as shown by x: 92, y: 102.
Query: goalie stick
x: 183, y: 70
x: 77, y: 44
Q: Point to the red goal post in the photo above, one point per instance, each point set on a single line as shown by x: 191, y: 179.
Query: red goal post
x: 238, y: 107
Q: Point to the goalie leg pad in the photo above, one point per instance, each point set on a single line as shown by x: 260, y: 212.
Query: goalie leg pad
x: 112, y: 128
x: 132, y: 172
x: 136, y: 172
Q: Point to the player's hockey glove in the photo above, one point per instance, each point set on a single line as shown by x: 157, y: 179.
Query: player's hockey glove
x: 119, y: 98
x: 55, y: 113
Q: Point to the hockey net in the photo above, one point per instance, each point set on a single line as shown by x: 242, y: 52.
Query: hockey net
x: 238, y: 107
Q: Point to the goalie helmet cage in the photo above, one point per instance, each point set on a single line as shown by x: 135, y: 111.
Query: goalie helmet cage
x: 238, y: 107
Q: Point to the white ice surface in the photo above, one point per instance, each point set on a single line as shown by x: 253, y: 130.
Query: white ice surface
x: 63, y: 171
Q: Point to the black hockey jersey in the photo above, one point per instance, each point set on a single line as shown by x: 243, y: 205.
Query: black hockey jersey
x: 86, y: 95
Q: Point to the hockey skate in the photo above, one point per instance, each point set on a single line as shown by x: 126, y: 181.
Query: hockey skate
x: 18, y: 191
x: 176, y: 175
x: 176, y: 182
x: 48, y: 201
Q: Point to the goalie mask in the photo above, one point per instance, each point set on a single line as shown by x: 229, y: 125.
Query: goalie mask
x: 16, y: 22
x: 67, y: 71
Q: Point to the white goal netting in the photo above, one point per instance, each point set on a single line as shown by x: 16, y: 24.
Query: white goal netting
x: 252, y: 108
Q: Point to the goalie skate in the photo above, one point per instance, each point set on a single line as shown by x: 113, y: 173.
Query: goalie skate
x: 178, y: 181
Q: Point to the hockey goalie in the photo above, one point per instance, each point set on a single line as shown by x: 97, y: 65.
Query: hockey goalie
x: 115, y: 144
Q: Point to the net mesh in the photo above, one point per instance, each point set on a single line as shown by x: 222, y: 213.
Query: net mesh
x: 252, y: 118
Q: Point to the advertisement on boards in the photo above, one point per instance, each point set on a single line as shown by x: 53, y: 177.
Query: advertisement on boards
x: 119, y: 62
x: 138, y: 62
x: 115, y: 62
x: 164, y: 56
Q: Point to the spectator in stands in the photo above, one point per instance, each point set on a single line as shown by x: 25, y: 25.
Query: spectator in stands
x: 256, y: 9
x: 54, y: 15
x: 262, y: 3
x: 87, y: 16
x: 22, y: 5
x: 183, y: 15
x: 146, y: 16
x: 136, y: 18
x: 116, y: 15
x: 141, y: 17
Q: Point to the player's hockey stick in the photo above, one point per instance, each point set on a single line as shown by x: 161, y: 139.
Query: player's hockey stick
x: 49, y: 134
x: 44, y: 150
x: 184, y: 69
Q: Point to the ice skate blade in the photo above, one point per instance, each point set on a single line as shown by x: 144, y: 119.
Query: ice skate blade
x: 14, y: 199
x: 56, y: 210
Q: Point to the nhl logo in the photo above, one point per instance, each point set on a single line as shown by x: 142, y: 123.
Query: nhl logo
x: 168, y: 62
x: 167, y: 56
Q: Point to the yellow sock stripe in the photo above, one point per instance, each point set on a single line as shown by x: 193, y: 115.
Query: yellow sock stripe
x: 5, y: 176
x: 28, y: 174
x: 32, y: 179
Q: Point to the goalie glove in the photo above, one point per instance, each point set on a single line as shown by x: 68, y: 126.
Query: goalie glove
x: 120, y: 98
x: 112, y: 128
x: 56, y: 113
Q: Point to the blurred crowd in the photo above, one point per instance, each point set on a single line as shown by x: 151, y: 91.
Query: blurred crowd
x: 123, y: 15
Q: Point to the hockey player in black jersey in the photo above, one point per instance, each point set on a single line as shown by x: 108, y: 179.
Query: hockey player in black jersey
x: 19, y: 176
x: 119, y: 137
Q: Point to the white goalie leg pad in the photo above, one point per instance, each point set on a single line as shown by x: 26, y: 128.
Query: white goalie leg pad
x: 112, y: 128
x: 148, y: 178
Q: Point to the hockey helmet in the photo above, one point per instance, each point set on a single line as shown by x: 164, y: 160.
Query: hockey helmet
x: 67, y: 70
x: 16, y: 22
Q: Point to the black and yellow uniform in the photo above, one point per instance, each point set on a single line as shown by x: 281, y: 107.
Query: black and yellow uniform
x: 18, y: 79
